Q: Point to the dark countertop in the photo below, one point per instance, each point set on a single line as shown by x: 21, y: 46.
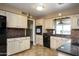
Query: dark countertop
x: 39, y: 34
x: 17, y: 37
x: 70, y: 49
x: 76, y: 44
x: 57, y: 35
x: 62, y: 36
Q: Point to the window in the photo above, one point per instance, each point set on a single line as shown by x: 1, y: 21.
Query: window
x: 63, y: 26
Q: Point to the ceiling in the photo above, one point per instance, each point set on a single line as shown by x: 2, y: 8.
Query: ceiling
x: 49, y: 8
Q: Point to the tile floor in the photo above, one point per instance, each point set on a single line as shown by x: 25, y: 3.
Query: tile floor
x: 38, y: 51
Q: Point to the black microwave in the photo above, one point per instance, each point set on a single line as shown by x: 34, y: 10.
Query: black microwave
x: 38, y: 29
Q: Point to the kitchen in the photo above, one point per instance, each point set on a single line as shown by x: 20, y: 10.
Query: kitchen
x: 53, y: 31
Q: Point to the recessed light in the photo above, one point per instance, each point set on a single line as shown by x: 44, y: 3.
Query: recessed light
x: 40, y: 8
x: 59, y: 14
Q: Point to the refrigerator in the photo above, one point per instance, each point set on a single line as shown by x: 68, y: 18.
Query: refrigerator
x: 3, y: 39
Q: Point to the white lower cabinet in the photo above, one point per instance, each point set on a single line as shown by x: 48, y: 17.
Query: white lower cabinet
x: 39, y: 39
x: 27, y: 46
x: 10, y: 47
x: 16, y: 45
x: 56, y: 42
x: 22, y: 45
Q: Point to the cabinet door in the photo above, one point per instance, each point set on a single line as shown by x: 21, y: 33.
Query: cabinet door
x: 11, y: 19
x: 40, y: 22
x: 24, y: 44
x: 10, y: 47
x: 21, y: 46
x: 17, y: 45
x: 2, y: 13
x: 24, y: 21
x: 27, y: 42
x: 19, y: 21
x: 48, y: 24
x: 39, y: 39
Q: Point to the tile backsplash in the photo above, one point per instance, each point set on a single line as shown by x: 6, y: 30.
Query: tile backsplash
x: 75, y: 36
x: 15, y: 32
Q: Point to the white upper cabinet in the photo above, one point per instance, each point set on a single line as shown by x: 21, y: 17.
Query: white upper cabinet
x: 75, y: 21
x: 2, y: 13
x: 48, y: 24
x: 22, y: 21
x: 11, y: 20
x: 16, y: 21
x: 39, y: 22
x: 25, y: 20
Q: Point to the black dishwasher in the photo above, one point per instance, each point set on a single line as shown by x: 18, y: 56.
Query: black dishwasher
x: 46, y: 40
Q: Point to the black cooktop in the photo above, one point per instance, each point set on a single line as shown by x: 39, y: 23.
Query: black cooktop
x: 70, y: 49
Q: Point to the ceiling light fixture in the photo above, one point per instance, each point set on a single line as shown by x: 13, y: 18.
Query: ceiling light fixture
x: 60, y: 14
x: 40, y: 7
x: 60, y: 5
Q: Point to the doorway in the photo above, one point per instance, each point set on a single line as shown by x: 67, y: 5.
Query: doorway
x: 30, y: 27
